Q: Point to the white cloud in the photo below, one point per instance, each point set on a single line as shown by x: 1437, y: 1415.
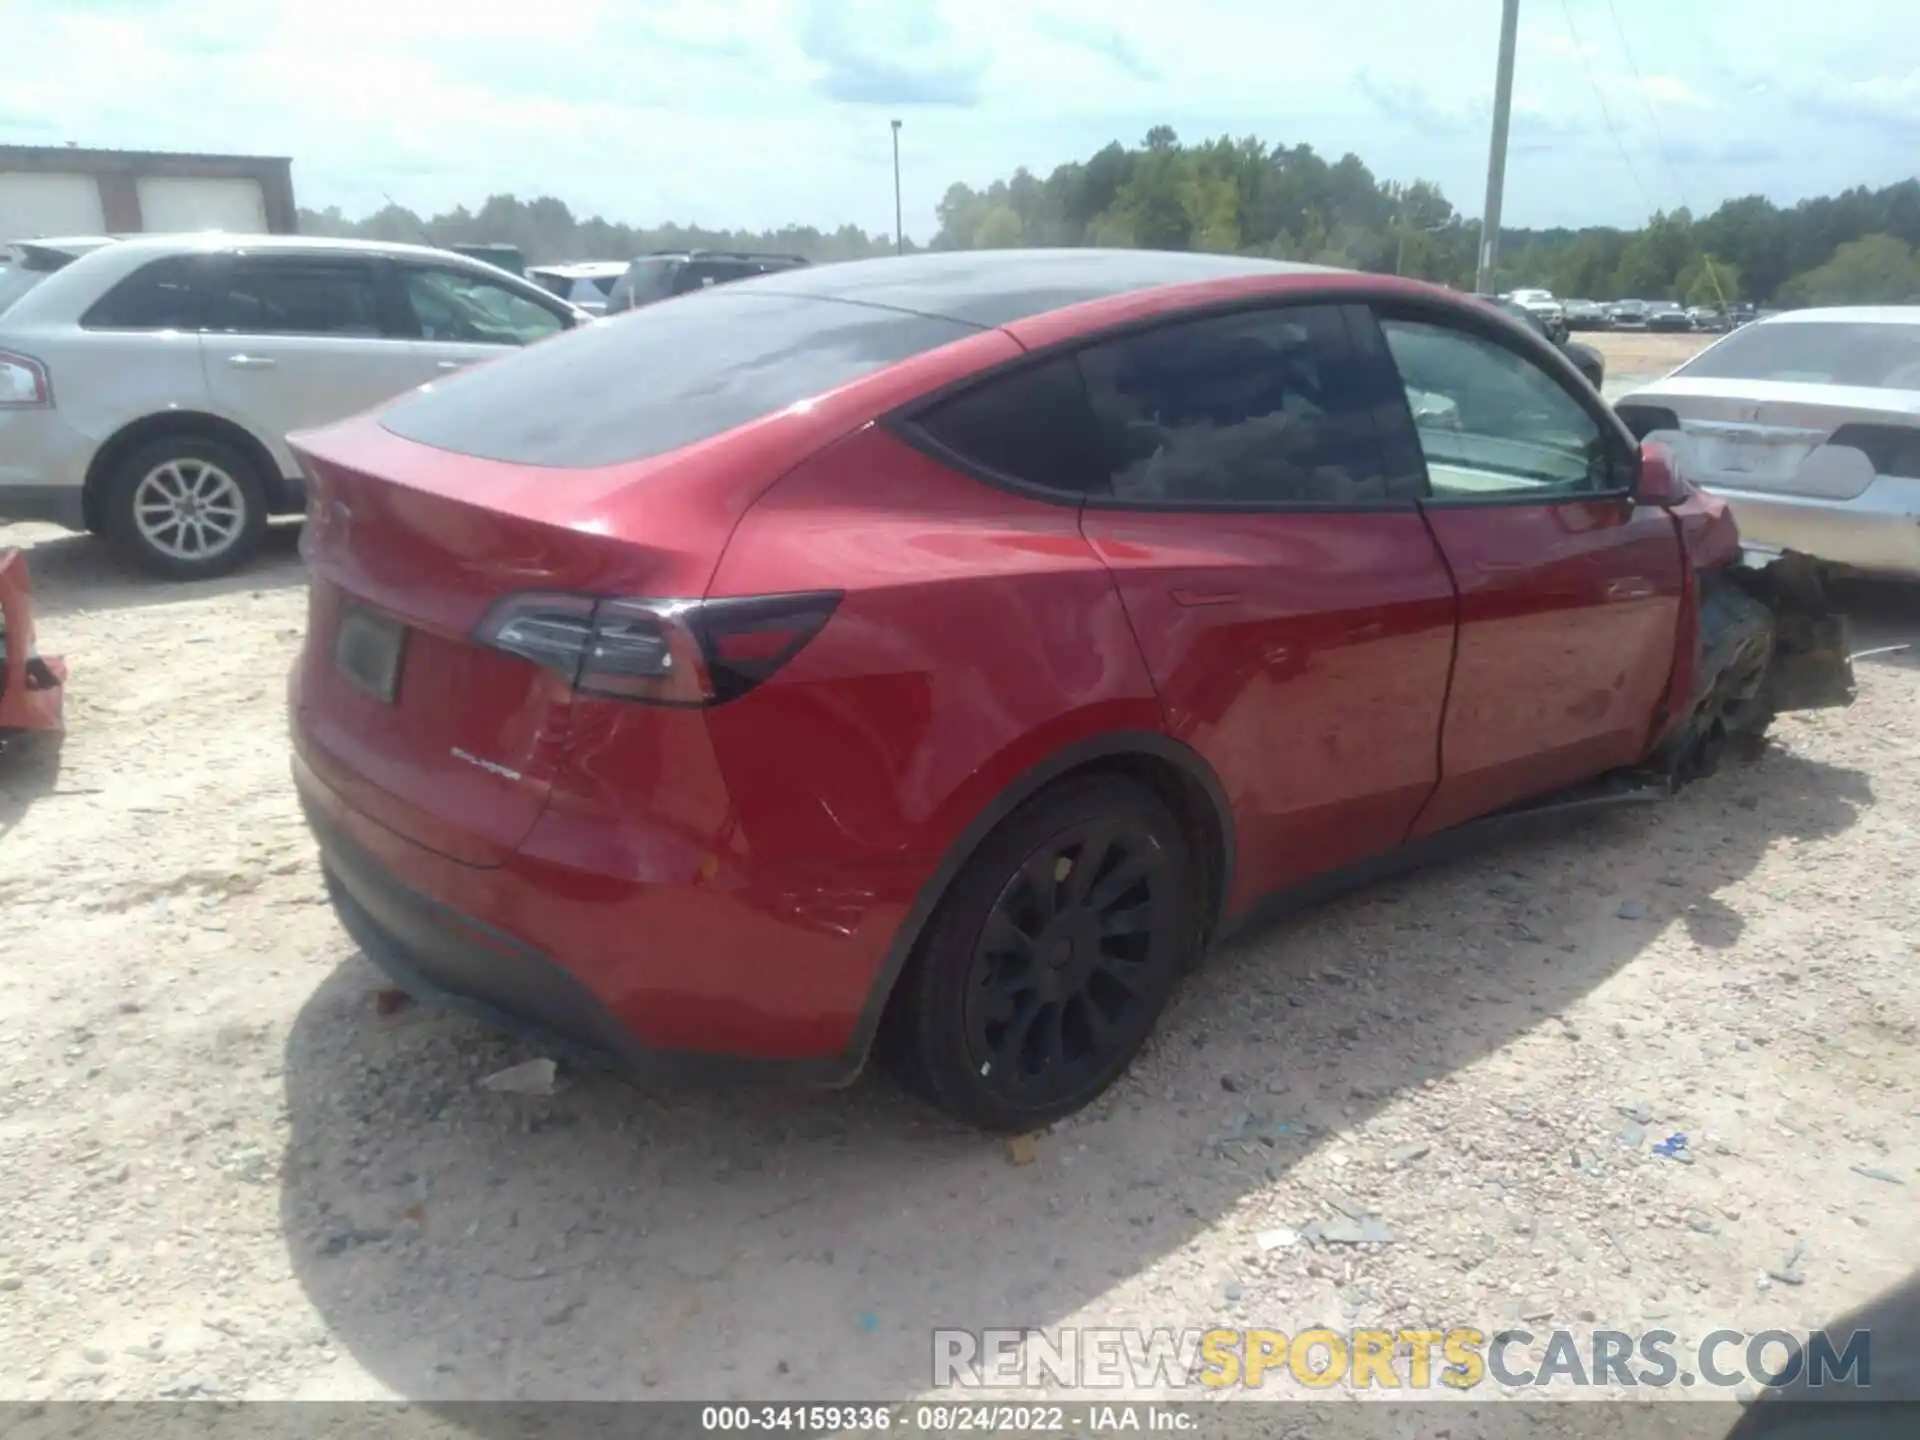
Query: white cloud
x: 759, y: 112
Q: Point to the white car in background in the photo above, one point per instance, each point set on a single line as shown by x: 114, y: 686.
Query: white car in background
x: 1541, y: 303
x: 147, y: 386
x: 584, y: 283
x: 1808, y: 424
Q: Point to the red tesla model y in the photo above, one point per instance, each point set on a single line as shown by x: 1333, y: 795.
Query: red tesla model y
x: 930, y: 655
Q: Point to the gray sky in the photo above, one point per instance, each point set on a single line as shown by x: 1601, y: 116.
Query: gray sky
x: 758, y: 112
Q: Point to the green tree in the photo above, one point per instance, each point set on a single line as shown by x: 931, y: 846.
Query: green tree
x: 1708, y: 280
x: 1257, y: 197
x: 1876, y: 269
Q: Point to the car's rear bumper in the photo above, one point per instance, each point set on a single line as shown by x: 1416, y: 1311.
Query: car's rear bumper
x: 1877, y: 531
x: 555, y: 953
x: 43, y: 467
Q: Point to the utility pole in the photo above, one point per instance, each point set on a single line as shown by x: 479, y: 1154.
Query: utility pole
x: 1497, y: 151
x: 899, y: 232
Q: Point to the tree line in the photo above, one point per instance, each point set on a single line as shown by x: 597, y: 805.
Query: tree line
x: 1288, y: 202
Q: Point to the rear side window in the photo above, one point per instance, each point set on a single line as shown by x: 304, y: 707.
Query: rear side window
x: 661, y: 379
x: 163, y: 294
x: 1032, y: 425
x: 293, y: 296
x: 1817, y: 352
x: 1265, y: 407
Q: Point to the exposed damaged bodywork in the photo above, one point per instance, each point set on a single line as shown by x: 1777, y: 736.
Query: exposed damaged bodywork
x: 1766, y: 641
x: 32, y: 685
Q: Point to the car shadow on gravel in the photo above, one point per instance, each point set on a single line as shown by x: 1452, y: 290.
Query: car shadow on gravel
x: 83, y: 572
x: 29, y: 771
x: 610, y: 1242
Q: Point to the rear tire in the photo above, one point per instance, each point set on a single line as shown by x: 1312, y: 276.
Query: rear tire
x: 186, y: 508
x: 1049, y: 958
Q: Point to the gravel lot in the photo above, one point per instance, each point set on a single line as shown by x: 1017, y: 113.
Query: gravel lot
x: 226, y: 1172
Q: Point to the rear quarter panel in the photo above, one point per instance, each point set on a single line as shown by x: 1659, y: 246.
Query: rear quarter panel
x: 979, y: 635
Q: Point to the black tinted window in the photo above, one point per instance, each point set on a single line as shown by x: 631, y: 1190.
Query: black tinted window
x: 1818, y: 352
x: 1033, y: 425
x: 661, y: 378
x: 161, y: 295
x: 1261, y: 407
x: 260, y: 296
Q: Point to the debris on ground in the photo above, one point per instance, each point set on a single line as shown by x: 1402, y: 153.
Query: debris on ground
x: 1674, y: 1147
x: 530, y: 1077
x: 1874, y: 1172
x: 1278, y: 1238
x: 1022, y: 1149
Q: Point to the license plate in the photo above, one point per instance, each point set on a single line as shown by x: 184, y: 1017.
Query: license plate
x: 368, y: 650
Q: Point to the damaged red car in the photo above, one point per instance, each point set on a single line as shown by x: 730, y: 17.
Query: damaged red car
x: 932, y: 656
x: 32, y: 685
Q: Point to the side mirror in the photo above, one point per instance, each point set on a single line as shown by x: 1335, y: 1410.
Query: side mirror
x: 1658, y: 482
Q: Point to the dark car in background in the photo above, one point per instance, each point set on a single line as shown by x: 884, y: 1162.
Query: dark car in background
x: 1628, y: 314
x: 1588, y: 315
x: 1669, y: 318
x: 666, y: 273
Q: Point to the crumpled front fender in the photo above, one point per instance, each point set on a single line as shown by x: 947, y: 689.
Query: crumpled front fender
x: 1767, y: 641
x: 1812, y: 667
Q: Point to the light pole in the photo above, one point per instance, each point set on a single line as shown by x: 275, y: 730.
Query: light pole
x: 1497, y: 150
x: 899, y: 233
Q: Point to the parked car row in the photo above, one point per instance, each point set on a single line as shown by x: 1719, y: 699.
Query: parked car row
x: 1631, y: 314
x: 148, y: 384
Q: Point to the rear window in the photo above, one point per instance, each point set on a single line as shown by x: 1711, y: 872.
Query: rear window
x: 1878, y: 357
x: 164, y: 294
x: 662, y: 378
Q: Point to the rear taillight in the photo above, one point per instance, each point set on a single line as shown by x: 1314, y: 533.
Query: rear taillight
x: 1892, y: 450
x: 662, y: 652
x: 23, y: 383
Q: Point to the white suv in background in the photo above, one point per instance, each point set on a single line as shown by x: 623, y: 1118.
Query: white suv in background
x: 147, y: 388
x: 1542, y: 304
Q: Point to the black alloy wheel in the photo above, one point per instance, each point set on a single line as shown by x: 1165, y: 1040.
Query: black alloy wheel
x: 1050, y: 959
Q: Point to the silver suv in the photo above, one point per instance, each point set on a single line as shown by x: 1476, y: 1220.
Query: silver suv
x: 147, y: 388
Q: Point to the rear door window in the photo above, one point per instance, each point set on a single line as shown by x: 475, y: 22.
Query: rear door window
x: 299, y: 295
x: 1270, y: 407
x: 663, y: 378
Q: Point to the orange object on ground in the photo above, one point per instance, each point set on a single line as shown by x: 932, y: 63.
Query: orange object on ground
x: 32, y: 686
